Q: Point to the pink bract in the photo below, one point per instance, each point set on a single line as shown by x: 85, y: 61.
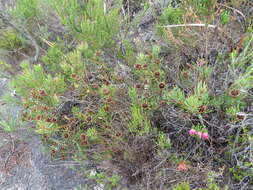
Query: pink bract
x: 192, y: 132
x: 205, y: 136
x: 199, y: 134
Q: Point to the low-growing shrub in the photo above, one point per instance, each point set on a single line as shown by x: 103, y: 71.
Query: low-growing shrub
x: 176, y: 109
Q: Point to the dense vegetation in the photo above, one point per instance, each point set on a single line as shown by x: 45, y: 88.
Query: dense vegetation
x: 170, y: 111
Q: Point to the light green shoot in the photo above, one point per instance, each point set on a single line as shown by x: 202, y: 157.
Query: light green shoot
x: 92, y: 134
x: 163, y: 141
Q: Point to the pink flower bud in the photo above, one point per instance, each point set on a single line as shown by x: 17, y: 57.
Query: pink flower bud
x: 205, y: 135
x: 192, y: 132
x: 199, y: 134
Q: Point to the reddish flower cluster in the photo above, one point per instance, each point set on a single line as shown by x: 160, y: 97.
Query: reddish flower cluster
x: 106, y: 82
x: 39, y: 117
x: 98, y: 53
x: 138, y: 85
x: 202, y: 109
x: 66, y: 135
x: 161, y: 85
x: 144, y: 105
x: 240, y: 116
x: 157, y: 74
x: 53, y: 119
x: 109, y: 100
x: 138, y: 66
x: 53, y: 152
x: 75, y: 77
x: 88, y: 118
x: 42, y: 93
x: 84, y: 140
x: 145, y: 66
x: 234, y: 93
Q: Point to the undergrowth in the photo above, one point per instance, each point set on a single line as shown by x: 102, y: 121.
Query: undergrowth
x: 176, y: 116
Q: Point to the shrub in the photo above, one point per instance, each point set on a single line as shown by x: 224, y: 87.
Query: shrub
x: 27, y: 9
x: 155, y: 115
x: 91, y: 21
x: 10, y: 40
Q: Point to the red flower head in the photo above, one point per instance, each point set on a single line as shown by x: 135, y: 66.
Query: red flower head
x: 161, y: 85
x: 88, y: 118
x: 145, y: 66
x: 234, y: 93
x: 157, y: 74
x: 138, y: 66
x: 202, y: 109
x: 144, y: 105
x: 138, y: 85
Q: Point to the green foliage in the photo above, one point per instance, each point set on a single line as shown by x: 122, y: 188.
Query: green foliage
x: 10, y: 40
x: 84, y: 108
x: 102, y: 178
x: 169, y: 16
x: 137, y: 118
x: 213, y: 186
x: 89, y: 21
x: 244, y: 57
x: 127, y: 51
x: 186, y: 186
x: 36, y: 78
x: 163, y: 141
x: 205, y: 7
x: 7, y: 126
x: 239, y: 173
x: 39, y: 90
x: 6, y: 68
x: 225, y: 17
x: 72, y: 66
x: 200, y: 128
x: 53, y: 58
x: 242, y: 81
x: 138, y: 123
x: 156, y: 51
x: 182, y: 186
x: 172, y: 15
x: 242, y: 167
x: 175, y: 96
x: 27, y: 9
x: 192, y: 102
x: 92, y: 134
x: 232, y: 111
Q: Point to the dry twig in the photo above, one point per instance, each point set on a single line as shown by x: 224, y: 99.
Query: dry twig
x: 190, y: 25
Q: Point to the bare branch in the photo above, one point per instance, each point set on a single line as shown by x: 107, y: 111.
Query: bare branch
x: 189, y: 25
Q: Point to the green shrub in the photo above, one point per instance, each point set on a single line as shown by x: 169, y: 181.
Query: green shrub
x: 203, y: 6
x: 90, y: 21
x: 53, y: 58
x: 172, y: 15
x: 92, y: 99
x: 225, y: 16
x: 182, y: 186
x: 27, y: 9
x: 10, y: 40
x: 192, y: 103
